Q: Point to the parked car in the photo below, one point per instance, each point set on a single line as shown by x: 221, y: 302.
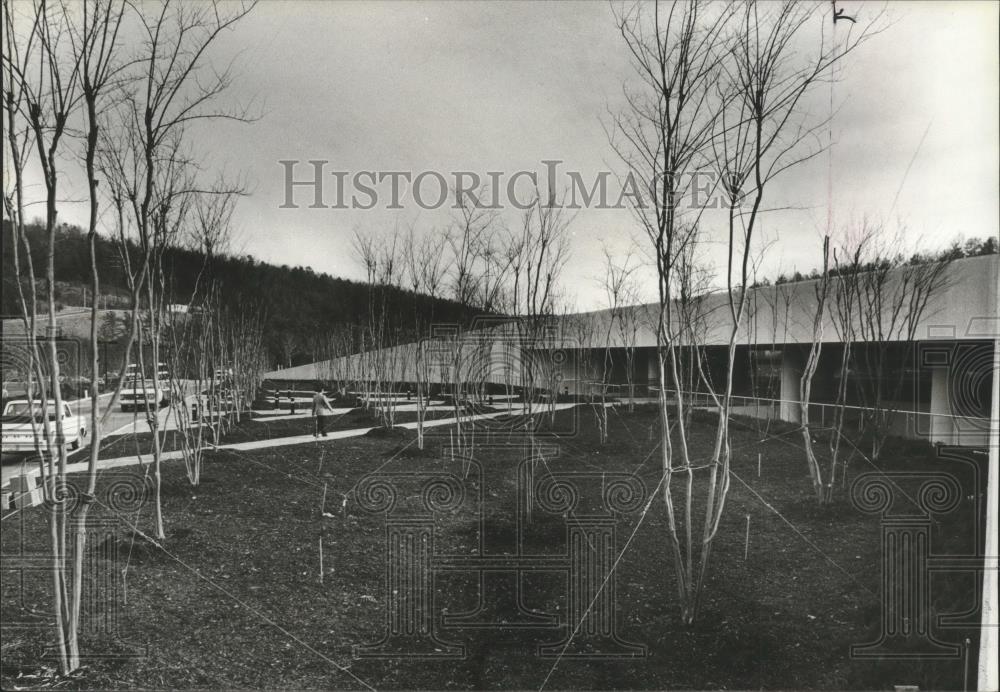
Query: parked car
x: 222, y: 375
x: 139, y: 391
x: 22, y: 422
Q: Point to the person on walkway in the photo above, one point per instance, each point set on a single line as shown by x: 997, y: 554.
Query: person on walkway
x: 322, y: 410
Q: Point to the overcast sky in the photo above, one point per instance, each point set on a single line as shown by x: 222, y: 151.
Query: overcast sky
x: 501, y: 86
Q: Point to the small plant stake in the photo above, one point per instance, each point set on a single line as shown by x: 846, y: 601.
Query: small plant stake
x: 746, y: 543
x: 322, y: 528
x: 758, y: 464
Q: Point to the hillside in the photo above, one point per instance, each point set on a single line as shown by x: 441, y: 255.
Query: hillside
x: 301, y: 307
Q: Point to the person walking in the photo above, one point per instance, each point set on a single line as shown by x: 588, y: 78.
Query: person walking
x: 322, y: 410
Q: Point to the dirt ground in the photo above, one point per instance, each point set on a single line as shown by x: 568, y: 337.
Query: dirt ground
x: 233, y: 597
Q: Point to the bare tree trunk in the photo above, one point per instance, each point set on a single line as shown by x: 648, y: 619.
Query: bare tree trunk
x: 822, y: 489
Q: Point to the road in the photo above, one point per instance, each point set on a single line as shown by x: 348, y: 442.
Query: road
x: 119, y: 423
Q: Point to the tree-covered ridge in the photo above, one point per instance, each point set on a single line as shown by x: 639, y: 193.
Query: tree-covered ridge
x: 958, y: 249
x: 302, y: 308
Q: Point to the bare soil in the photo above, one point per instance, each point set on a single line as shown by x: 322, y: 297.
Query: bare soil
x: 232, y: 598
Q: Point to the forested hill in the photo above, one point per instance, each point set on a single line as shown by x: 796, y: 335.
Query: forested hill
x: 302, y: 309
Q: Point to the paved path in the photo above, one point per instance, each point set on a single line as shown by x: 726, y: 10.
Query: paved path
x: 81, y: 465
x: 266, y: 416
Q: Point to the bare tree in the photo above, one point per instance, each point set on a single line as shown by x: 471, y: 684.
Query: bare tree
x: 628, y: 318
x: 161, y: 234
x: 693, y: 284
x: 207, y: 345
x: 18, y: 57
x: 244, y: 329
x: 779, y: 301
x: 426, y: 266
x: 538, y: 252
x: 95, y: 41
x: 848, y: 265
x: 62, y: 76
x: 758, y: 301
x: 582, y: 329
x: 44, y: 92
x: 193, y: 355
x: 893, y: 294
x: 384, y: 257
x: 365, y: 248
x: 822, y: 487
x: 662, y: 136
x: 620, y: 294
x: 289, y: 347
x: 723, y: 90
x: 471, y: 243
x: 68, y: 66
x: 337, y: 348
x: 764, y: 130
x: 170, y: 91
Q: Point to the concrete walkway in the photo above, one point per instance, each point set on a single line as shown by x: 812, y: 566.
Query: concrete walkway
x: 358, y: 432
x: 268, y: 415
x: 265, y: 416
x: 81, y: 466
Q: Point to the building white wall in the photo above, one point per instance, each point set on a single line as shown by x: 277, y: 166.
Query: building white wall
x: 778, y: 315
x: 783, y: 314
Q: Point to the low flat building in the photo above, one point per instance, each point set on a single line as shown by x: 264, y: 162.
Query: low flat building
x: 930, y: 366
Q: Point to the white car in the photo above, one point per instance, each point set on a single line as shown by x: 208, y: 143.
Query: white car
x: 22, y: 422
x: 136, y: 393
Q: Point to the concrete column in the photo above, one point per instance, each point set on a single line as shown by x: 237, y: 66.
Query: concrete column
x: 791, y: 373
x: 653, y: 367
x: 942, y: 426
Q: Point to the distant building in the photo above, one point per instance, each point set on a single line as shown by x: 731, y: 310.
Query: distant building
x: 946, y: 369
